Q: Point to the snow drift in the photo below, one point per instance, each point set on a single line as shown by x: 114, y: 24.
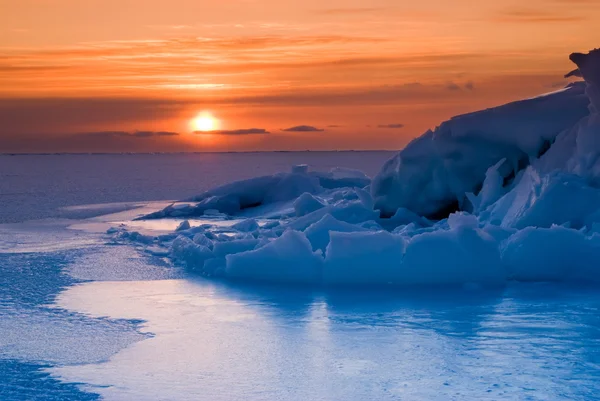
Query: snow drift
x: 509, y: 193
x: 434, y: 172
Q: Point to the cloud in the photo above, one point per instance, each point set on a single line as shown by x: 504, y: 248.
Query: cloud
x: 334, y: 126
x: 198, y: 63
x: 393, y: 126
x: 245, y: 131
x: 126, y: 134
x: 451, y: 86
x: 303, y: 128
x: 55, y: 115
x: 529, y: 15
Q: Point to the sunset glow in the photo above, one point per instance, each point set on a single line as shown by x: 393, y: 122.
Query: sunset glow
x: 204, y: 122
x: 269, y: 64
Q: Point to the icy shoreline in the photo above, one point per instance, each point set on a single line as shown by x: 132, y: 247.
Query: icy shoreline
x: 510, y: 193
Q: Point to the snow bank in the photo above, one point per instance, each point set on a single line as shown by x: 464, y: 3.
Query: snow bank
x: 237, y: 196
x: 543, y: 200
x: 525, y: 177
x: 434, y: 172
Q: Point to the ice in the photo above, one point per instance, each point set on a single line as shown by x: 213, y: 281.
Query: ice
x: 432, y: 174
x: 460, y: 255
x: 342, y: 178
x: 363, y: 258
x: 300, y: 169
x: 463, y: 254
x: 202, y: 239
x: 288, y: 259
x: 318, y: 233
x: 216, y: 341
x: 247, y: 225
x: 190, y: 253
x: 307, y: 203
x: 185, y: 225
x: 552, y: 254
x: 589, y: 69
x: 491, y: 190
x: 238, y: 196
x: 541, y: 201
x: 225, y: 248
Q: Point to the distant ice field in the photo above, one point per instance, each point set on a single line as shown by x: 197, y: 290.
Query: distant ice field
x: 38, y: 186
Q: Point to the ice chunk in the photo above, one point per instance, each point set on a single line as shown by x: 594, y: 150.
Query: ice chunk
x: 354, y: 212
x: 365, y: 198
x: 223, y: 249
x: 157, y: 251
x: 184, y: 225
x: 457, y: 256
x: 300, y: 169
x: 246, y: 225
x: 193, y: 255
x: 307, y: 203
x: 288, y: 259
x: 235, y: 197
x: 212, y: 213
x: 363, y: 258
x: 552, y: 254
x: 342, y: 177
x: 202, y: 239
x: 492, y: 189
x: 460, y: 220
x: 319, y: 232
x: 403, y: 217
x: 137, y: 237
x: 542, y: 201
x: 271, y: 224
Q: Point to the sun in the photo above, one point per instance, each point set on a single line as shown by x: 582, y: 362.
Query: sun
x: 204, y: 122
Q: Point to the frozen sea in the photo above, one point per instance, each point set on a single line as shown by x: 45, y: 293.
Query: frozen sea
x: 82, y: 319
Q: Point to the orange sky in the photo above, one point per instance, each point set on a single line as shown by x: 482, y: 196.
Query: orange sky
x: 130, y: 75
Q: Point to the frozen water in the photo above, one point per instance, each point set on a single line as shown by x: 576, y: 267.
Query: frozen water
x: 220, y: 342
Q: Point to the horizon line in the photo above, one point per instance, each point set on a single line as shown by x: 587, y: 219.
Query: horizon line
x: 195, y: 152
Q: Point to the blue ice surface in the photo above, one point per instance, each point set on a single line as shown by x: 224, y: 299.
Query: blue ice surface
x: 256, y: 342
x: 228, y: 341
x: 29, y: 282
x: 26, y: 381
